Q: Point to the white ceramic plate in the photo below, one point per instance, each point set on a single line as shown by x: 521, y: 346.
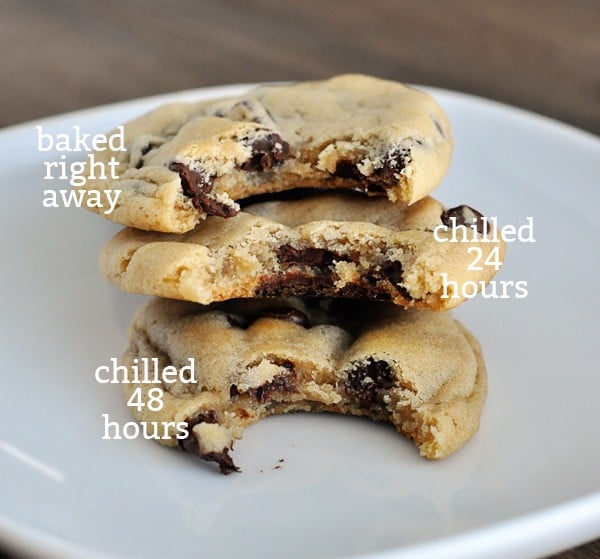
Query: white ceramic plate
x: 527, y: 485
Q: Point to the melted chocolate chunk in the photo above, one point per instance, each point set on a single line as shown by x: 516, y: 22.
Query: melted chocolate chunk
x: 320, y: 285
x: 465, y: 215
x: 368, y: 382
x: 190, y: 444
x: 364, y: 291
x: 290, y: 314
x: 197, y: 186
x: 204, y: 417
x: 226, y: 464
x: 267, y: 152
x: 284, y: 382
x: 295, y: 283
x: 381, y: 178
x: 393, y: 272
x: 318, y: 258
x: 318, y: 280
x: 348, y: 170
x: 393, y: 163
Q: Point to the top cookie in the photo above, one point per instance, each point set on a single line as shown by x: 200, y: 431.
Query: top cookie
x: 185, y: 161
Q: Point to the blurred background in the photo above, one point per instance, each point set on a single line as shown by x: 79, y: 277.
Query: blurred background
x: 61, y: 55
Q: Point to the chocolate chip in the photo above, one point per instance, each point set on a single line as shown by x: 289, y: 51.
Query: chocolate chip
x: 148, y: 148
x: 283, y: 382
x: 367, y: 383
x: 392, y: 271
x: 364, y: 290
x: 197, y: 186
x: 209, y: 416
x: 304, y: 284
x: 290, y: 314
x: 393, y: 163
x: 190, y: 444
x: 247, y: 111
x: 295, y: 283
x: 381, y: 178
x: 246, y: 103
x: 318, y: 258
x: 348, y: 170
x: 465, y: 215
x: 226, y: 464
x: 438, y: 127
x: 267, y: 152
x: 143, y: 152
x: 241, y: 111
x: 316, y: 278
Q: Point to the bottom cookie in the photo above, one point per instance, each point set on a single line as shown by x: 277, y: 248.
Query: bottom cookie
x: 224, y: 366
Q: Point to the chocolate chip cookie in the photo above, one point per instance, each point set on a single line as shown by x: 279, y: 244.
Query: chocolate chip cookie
x: 183, y: 162
x: 421, y: 371
x: 336, y: 244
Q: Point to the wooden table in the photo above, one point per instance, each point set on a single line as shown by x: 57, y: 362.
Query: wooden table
x: 61, y: 55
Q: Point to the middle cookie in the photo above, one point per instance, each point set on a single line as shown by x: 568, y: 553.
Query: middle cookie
x: 335, y: 244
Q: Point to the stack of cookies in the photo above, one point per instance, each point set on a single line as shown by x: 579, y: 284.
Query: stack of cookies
x: 298, y: 261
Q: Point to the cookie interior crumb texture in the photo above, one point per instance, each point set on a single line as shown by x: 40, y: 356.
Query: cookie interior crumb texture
x: 184, y: 161
x: 421, y: 371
